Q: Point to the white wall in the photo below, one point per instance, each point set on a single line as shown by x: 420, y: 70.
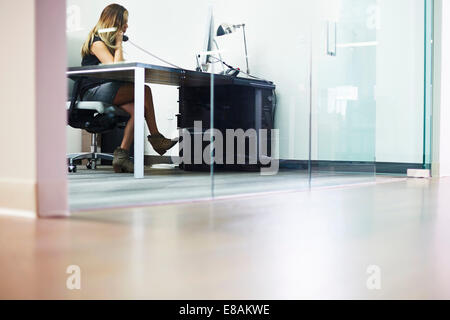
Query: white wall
x: 441, y: 108
x: 400, y: 81
x: 278, y: 35
x: 17, y: 85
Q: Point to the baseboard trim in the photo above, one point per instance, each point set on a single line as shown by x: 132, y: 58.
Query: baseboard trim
x: 18, y: 213
x: 341, y: 166
x: 352, y: 166
x: 399, y: 168
x: 18, y: 196
x: 23, y: 198
x: 150, y: 160
x: 52, y: 198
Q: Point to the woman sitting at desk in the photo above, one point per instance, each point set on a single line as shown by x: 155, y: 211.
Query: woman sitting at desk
x: 106, y: 48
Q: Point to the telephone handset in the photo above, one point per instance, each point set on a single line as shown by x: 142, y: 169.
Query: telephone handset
x: 125, y: 38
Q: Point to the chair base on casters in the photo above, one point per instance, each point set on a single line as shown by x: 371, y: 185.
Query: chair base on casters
x: 92, y: 156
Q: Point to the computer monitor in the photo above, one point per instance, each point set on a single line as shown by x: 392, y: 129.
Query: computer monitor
x: 208, y: 44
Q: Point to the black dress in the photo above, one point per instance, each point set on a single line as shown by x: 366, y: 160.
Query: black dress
x: 93, y: 89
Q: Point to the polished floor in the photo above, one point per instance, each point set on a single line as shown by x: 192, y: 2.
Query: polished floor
x: 103, y: 188
x: 317, y: 244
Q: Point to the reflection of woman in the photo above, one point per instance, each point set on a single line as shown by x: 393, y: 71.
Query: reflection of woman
x: 106, y: 48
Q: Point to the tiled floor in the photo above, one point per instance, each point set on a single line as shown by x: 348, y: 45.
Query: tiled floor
x: 317, y: 244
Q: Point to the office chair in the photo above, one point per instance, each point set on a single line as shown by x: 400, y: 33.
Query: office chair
x: 95, y: 117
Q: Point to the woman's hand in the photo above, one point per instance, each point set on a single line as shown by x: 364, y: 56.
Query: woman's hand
x: 119, y: 38
x: 118, y: 55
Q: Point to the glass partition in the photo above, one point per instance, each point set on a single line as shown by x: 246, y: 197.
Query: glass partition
x: 270, y: 96
x: 167, y: 34
x: 428, y: 82
x: 344, y: 117
x: 371, y: 89
x: 262, y: 114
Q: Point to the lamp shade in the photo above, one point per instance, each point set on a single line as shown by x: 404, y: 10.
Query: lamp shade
x: 224, y: 29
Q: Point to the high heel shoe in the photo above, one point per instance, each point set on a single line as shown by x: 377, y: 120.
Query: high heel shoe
x: 121, y: 162
x: 160, y: 143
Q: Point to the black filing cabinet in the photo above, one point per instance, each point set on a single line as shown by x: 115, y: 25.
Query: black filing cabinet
x: 247, y: 105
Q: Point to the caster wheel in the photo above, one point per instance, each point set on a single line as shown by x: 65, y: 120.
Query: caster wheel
x: 72, y: 169
x: 91, y: 165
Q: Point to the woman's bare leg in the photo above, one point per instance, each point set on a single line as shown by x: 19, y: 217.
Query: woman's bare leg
x: 150, y: 112
x: 125, y: 95
x: 128, y: 134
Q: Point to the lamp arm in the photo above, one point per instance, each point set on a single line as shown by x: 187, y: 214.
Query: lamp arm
x: 245, y: 45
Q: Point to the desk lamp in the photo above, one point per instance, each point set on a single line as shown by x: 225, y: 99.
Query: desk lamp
x: 225, y: 28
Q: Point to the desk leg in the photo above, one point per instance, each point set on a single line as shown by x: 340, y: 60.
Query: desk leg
x: 139, y: 122
x: 258, y: 120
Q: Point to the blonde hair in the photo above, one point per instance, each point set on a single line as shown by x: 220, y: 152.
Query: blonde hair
x: 113, y: 16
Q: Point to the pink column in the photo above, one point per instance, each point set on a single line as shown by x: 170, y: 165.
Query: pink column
x: 51, y: 94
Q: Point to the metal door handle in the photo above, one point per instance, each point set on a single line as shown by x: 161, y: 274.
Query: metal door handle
x: 331, y: 38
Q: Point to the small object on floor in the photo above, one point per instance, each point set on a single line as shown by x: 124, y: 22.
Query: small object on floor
x: 160, y: 143
x: 164, y: 166
x: 122, y: 162
x: 419, y: 173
